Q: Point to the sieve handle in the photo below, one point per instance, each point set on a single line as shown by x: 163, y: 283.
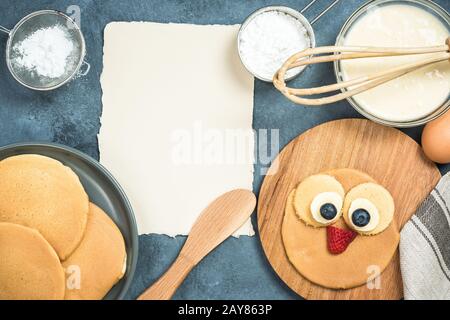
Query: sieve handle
x: 320, y: 14
x: 3, y: 29
x: 87, y: 68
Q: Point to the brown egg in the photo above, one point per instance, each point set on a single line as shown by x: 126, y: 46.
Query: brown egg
x: 436, y: 139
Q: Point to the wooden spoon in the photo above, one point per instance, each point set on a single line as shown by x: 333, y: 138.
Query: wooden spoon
x: 215, y: 224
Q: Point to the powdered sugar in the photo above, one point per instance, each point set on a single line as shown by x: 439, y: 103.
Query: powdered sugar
x: 46, y: 52
x: 269, y: 40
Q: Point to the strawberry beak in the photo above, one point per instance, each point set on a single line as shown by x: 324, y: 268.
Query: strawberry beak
x: 338, y: 239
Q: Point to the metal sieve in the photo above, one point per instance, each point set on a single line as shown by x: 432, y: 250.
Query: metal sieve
x: 298, y: 15
x: 30, y: 24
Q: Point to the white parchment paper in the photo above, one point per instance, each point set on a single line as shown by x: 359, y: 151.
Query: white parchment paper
x: 177, y: 120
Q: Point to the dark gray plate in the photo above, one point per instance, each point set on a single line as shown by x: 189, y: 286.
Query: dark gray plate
x: 102, y: 189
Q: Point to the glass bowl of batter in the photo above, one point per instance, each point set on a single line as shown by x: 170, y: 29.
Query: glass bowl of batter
x: 413, y: 99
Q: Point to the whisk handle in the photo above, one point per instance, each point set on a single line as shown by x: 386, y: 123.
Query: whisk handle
x: 447, y: 42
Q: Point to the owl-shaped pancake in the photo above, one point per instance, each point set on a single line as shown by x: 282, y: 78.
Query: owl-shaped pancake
x: 338, y: 229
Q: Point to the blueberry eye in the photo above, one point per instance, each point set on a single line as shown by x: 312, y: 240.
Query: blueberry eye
x: 328, y: 211
x: 360, y: 217
x: 363, y: 215
x: 326, y: 208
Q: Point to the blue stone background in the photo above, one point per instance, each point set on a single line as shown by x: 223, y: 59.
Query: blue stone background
x: 70, y: 115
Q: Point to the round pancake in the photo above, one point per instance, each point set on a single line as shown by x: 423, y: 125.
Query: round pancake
x: 306, y: 246
x: 42, y: 193
x: 98, y: 263
x: 378, y: 196
x: 29, y: 267
x: 308, y: 189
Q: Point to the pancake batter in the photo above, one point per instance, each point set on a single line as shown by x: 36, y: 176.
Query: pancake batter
x: 412, y: 96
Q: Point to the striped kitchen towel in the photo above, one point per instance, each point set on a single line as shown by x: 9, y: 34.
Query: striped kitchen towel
x: 425, y: 247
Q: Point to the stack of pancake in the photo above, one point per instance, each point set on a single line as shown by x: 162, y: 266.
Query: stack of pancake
x: 54, y: 243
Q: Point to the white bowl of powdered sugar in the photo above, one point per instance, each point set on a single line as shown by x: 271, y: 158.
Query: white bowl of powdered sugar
x: 45, y: 50
x: 271, y: 35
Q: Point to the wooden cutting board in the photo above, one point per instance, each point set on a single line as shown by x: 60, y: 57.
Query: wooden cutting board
x: 392, y: 158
